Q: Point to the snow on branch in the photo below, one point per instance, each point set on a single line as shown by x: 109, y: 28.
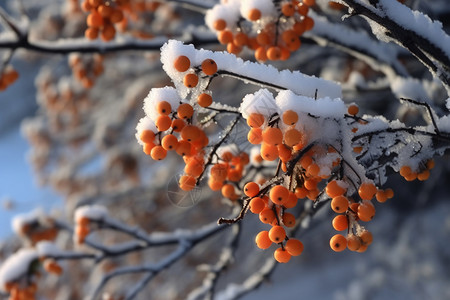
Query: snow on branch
x: 250, y: 72
x: 424, y: 38
x: 81, y: 45
x: 380, y: 56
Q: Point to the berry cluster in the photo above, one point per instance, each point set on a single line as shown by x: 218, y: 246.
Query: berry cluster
x: 271, y: 210
x: 37, y: 229
x: 422, y: 175
x: 270, y: 28
x: 313, y: 142
x: 86, y: 68
x: 106, y: 17
x: 7, y: 77
x: 171, y: 125
x: 18, y: 291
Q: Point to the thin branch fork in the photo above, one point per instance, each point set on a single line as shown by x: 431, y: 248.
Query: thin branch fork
x: 419, y: 46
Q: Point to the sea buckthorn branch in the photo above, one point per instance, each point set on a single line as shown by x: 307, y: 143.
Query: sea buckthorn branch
x: 225, y: 134
x: 431, y: 112
x: 184, y: 238
x: 426, y: 50
x: 80, y: 45
x: 246, y: 201
x: 380, y: 56
x: 206, y: 290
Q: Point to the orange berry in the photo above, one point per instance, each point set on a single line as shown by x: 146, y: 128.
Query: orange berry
x: 219, y: 172
x: 405, y: 171
x: 274, y: 53
x: 389, y: 193
x: 299, y: 28
x: 305, y: 161
x: 187, y: 183
x: 108, y: 33
x: 366, y: 211
x: 220, y: 24
x: 91, y: 33
x: 309, y: 2
x: 301, y: 192
x: 353, y: 242
x: 190, y: 80
x: 182, y: 63
x: 340, y: 222
x: 183, y: 148
x: 288, y: 219
x: 225, y: 37
x: 255, y: 120
x: 367, y: 190
x: 272, y: 136
x: 284, y: 153
x: 338, y: 243
x: 313, y: 169
x: 193, y: 168
x: 228, y: 191
x: 267, y: 215
x: 52, y: 266
x: 292, y: 201
x: 302, y: 9
x: 240, y: 39
x: 292, y: 137
x: 254, y: 14
x: 381, y: 196
x: 269, y: 152
x: 422, y: 176
x: 309, y: 23
x: 178, y: 125
x: 310, y: 184
x: 163, y: 122
x: 430, y: 164
x: 94, y: 19
x: 190, y: 133
x: 366, y: 237
x: 148, y: 148
x: 158, y: 153
x: 353, y: 110
x: 257, y: 205
x: 204, y: 100
x: 277, y: 234
x: 214, y: 185
x: 290, y: 117
x: 163, y: 108
x: 288, y: 9
x: 169, y: 142
x: 209, y: 67
x: 339, y: 204
x: 333, y: 189
x: 233, y: 48
x: 185, y: 111
x: 362, y: 248
x: 147, y: 136
x: 294, y: 247
x: 262, y: 240
x: 279, y: 194
x: 281, y: 255
x: 260, y: 54
x: 116, y: 16
x: 251, y: 189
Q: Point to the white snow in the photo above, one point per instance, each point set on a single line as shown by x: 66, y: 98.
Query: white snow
x: 21, y: 220
x: 145, y: 123
x: 16, y: 265
x: 92, y: 212
x: 260, y: 74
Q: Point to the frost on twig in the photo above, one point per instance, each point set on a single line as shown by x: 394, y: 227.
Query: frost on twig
x: 415, y: 31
